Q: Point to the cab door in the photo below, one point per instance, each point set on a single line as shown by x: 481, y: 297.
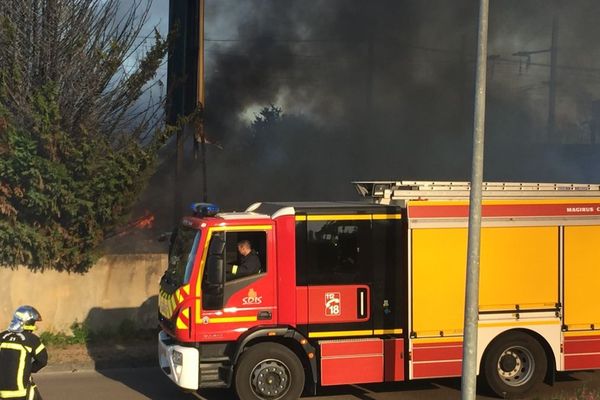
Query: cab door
x: 248, y: 300
x: 338, y: 249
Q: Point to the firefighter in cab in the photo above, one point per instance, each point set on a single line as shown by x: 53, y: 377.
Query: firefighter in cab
x: 21, y: 353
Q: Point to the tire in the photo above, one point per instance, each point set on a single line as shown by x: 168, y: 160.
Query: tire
x: 269, y: 371
x: 514, y: 364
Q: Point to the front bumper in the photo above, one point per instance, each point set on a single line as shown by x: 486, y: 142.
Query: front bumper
x: 186, y: 372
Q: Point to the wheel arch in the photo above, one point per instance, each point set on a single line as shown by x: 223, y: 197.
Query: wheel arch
x: 287, y: 337
x: 541, y: 339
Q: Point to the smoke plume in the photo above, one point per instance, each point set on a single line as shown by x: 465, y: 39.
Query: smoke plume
x: 383, y: 89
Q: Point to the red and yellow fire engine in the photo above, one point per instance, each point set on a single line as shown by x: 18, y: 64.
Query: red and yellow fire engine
x: 364, y: 292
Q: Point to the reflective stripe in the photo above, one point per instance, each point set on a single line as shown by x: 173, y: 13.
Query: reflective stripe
x: 234, y: 269
x: 377, y: 217
x: 351, y: 217
x: 39, y: 349
x: 24, y: 351
x: 236, y: 228
x: 348, y: 217
x: 396, y: 331
x: 339, y: 334
x: 442, y: 339
x: 15, y: 346
x: 186, y: 289
x: 31, y: 393
x: 581, y: 333
x: 10, y: 394
x: 226, y: 320
x: 180, y: 324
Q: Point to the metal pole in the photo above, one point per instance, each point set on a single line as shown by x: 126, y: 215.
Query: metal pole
x: 552, y: 86
x: 200, y: 89
x: 201, y: 97
x: 469, y: 365
x: 179, y: 154
x: 176, y: 101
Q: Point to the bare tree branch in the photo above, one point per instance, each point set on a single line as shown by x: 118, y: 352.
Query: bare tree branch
x: 82, y: 47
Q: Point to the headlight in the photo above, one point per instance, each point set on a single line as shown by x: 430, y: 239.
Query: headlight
x: 177, y: 358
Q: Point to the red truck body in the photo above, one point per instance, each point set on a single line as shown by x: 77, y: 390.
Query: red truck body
x: 351, y: 292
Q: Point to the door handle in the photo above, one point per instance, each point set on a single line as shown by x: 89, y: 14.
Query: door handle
x: 362, y: 303
x: 264, y: 315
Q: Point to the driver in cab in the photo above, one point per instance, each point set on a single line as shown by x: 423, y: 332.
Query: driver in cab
x: 248, y: 262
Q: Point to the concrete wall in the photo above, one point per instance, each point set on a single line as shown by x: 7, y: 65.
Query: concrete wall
x: 118, y: 287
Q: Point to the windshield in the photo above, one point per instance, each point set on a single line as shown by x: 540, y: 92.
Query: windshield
x: 182, y: 252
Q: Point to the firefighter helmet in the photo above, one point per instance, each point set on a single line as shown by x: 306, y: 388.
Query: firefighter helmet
x: 24, y: 318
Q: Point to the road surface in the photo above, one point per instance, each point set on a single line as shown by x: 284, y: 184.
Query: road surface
x: 150, y: 383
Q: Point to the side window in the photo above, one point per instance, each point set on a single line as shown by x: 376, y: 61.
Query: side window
x: 245, y: 254
x: 338, y: 251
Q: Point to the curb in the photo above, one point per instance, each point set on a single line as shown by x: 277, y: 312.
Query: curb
x: 50, y: 369
x: 98, y: 366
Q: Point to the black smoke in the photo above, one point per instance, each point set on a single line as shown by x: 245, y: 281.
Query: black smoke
x: 383, y: 89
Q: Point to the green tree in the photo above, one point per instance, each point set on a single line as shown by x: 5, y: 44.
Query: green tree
x: 78, y: 126
x: 266, y: 118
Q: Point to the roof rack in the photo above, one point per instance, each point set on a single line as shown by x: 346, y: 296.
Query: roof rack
x: 386, y: 191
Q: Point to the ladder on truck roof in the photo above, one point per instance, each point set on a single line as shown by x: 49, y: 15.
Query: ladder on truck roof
x: 386, y: 191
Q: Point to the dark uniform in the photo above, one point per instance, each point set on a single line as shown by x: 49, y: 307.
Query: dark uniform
x: 248, y: 265
x: 21, y: 353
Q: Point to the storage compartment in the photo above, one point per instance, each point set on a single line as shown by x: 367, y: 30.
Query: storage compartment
x: 351, y: 361
x: 394, y: 360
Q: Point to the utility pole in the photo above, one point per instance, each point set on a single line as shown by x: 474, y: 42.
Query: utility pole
x: 176, y: 94
x: 469, y: 361
x: 199, y: 136
x: 552, y: 85
x: 185, y: 86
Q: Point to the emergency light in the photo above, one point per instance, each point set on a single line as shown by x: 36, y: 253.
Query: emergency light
x: 204, y: 209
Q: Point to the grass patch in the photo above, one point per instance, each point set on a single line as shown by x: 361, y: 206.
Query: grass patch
x: 80, y: 334
x: 126, y: 331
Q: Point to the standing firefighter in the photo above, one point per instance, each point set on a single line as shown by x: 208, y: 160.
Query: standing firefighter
x: 21, y: 353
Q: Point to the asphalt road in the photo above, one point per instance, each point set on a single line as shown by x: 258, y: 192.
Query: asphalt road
x: 150, y: 383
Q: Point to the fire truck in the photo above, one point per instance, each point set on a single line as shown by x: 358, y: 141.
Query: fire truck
x: 373, y: 291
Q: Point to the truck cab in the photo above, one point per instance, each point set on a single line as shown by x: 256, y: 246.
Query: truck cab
x: 260, y: 330
x: 204, y: 300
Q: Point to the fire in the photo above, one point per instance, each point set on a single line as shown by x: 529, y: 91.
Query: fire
x: 142, y: 223
x: 145, y: 222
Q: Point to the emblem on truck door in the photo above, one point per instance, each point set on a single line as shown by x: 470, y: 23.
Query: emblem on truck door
x: 252, y: 298
x: 333, y: 304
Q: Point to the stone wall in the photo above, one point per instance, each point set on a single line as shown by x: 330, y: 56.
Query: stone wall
x: 118, y: 287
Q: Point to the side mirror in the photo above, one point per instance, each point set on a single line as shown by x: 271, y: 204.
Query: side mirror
x: 215, y: 270
x: 217, y: 246
x: 213, y: 284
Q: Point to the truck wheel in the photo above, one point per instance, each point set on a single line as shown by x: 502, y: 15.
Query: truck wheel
x: 514, y: 364
x: 269, y: 371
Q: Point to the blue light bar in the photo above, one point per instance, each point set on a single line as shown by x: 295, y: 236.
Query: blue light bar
x: 205, y: 209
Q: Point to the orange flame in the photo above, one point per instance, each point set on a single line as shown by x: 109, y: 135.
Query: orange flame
x: 144, y: 222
